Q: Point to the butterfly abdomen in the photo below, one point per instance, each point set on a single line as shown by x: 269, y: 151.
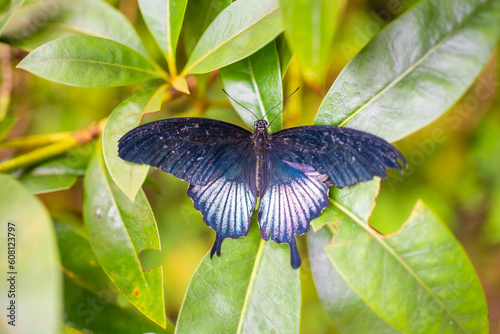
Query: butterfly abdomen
x: 260, y: 143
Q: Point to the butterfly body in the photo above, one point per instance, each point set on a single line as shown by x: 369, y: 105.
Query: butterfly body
x: 228, y: 168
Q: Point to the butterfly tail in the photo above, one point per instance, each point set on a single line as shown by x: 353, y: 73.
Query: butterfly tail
x: 217, y: 246
x: 294, y: 255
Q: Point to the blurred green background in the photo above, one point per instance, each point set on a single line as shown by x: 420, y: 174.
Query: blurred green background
x: 454, y: 163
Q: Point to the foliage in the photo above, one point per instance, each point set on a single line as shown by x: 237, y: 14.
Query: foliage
x: 417, y: 279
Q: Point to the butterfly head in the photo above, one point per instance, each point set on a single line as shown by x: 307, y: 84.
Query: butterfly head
x: 260, y: 126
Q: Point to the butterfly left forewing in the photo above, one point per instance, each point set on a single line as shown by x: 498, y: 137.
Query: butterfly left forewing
x: 293, y: 194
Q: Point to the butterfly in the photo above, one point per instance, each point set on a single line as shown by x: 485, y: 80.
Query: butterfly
x: 229, y: 167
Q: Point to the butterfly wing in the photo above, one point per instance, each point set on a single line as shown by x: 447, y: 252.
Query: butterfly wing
x: 196, y: 150
x: 346, y: 155
x: 215, y: 157
x: 227, y: 203
x: 292, y: 196
x: 302, y: 163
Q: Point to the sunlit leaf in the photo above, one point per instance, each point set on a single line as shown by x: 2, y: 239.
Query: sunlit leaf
x: 128, y: 115
x: 164, y: 20
x: 88, y: 61
x: 255, y: 82
x: 119, y: 230
x: 422, y: 267
x: 241, y: 29
x: 70, y: 17
x: 7, y: 14
x: 199, y: 15
x: 310, y: 27
x: 38, y: 283
x: 348, y: 312
x: 251, y: 288
x: 415, y: 69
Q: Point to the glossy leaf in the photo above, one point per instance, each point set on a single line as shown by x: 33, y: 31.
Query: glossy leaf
x: 199, y: 15
x: 86, y: 285
x: 91, y: 312
x: 347, y: 311
x: 415, y: 69
x: 251, y: 288
x: 128, y: 115
x: 57, y: 174
x: 119, y: 230
x: 7, y: 15
x: 310, y: 28
x: 71, y: 17
x: 38, y: 278
x: 241, y: 29
x: 164, y: 20
x: 422, y: 267
x: 88, y: 61
x: 284, y: 53
x: 255, y: 82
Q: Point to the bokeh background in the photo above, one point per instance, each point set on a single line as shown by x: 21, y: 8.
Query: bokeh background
x: 454, y: 163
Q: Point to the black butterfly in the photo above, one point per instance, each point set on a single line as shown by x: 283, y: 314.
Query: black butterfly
x: 229, y: 167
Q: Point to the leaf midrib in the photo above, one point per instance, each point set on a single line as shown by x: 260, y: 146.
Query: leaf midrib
x: 413, y: 66
x: 384, y: 245
x: 157, y: 74
x: 253, y: 278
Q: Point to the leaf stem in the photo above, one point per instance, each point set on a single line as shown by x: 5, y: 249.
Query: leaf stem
x: 6, y: 87
x: 66, y: 141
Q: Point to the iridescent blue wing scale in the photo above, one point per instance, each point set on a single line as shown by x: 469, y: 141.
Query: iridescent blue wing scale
x: 292, y: 196
x: 196, y: 150
x: 227, y: 203
x: 346, y: 155
x: 301, y: 164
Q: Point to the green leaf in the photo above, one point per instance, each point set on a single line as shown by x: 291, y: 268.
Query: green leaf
x: 80, y: 263
x: 199, y: 15
x: 57, y: 174
x: 255, y: 82
x: 6, y: 125
x: 415, y: 69
x: 128, y: 115
x: 86, y: 285
x: 88, y: 61
x: 92, y: 313
x: 38, y: 279
x: 422, y: 269
x: 71, y: 17
x: 348, y: 312
x: 119, y: 230
x: 251, y: 288
x: 310, y: 28
x: 241, y: 29
x: 284, y: 53
x: 164, y: 20
x: 7, y: 15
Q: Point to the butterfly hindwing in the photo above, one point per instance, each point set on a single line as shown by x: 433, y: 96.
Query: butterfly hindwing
x: 196, y: 150
x: 293, y: 194
x: 227, y: 203
x: 346, y: 155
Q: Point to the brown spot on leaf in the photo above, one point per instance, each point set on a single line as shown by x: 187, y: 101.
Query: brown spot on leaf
x: 136, y: 292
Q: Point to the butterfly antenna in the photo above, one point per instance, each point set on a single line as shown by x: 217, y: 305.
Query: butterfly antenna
x: 278, y: 105
x: 240, y: 104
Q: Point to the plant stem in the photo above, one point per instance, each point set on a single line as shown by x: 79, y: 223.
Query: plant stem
x: 66, y: 141
x: 6, y: 87
x: 35, y: 140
